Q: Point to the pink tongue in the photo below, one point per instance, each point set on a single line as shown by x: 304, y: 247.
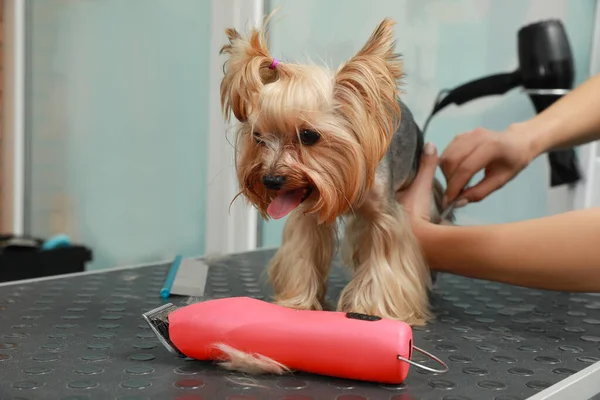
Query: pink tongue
x: 283, y: 204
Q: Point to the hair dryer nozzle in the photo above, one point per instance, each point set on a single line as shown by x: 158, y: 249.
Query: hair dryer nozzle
x: 545, y: 57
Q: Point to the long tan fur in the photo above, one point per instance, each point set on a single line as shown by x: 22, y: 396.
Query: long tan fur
x: 390, y: 276
x: 355, y: 110
x: 299, y: 277
x: 249, y: 363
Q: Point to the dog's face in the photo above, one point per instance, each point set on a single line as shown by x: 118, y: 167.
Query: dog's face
x: 310, y: 137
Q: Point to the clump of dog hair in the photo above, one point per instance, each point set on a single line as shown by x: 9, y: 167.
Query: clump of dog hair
x: 249, y: 363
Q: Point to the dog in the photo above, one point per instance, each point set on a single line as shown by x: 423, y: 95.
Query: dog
x: 331, y: 147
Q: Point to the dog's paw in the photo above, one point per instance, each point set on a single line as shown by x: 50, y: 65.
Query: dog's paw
x: 354, y: 298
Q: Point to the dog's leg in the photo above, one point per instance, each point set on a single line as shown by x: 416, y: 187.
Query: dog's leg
x: 300, y: 269
x: 390, y: 276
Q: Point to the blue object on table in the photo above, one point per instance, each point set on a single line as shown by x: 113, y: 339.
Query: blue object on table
x: 56, y: 242
x: 165, y: 292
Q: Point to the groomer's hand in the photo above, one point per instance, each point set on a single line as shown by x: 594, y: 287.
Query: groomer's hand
x: 501, y: 155
x: 416, y: 199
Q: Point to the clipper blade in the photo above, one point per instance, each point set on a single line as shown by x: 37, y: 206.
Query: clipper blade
x: 158, y: 320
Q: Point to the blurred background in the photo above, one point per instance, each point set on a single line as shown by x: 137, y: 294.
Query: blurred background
x: 118, y: 140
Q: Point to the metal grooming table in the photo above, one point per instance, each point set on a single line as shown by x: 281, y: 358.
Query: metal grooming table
x: 83, y: 337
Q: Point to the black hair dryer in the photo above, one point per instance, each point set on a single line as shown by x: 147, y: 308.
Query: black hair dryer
x: 545, y: 72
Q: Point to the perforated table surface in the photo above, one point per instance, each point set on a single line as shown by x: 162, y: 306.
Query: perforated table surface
x: 82, y: 337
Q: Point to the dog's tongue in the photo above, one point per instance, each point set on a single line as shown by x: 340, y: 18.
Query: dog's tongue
x: 283, y: 204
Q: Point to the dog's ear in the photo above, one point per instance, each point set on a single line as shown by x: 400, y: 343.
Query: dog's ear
x: 246, y: 70
x: 367, y: 88
x: 375, y: 69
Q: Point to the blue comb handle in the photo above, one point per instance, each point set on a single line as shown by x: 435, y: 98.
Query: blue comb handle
x: 165, y: 292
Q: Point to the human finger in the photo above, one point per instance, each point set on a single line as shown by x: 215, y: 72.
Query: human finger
x: 418, y: 195
x: 458, y: 150
x: 429, y: 162
x: 474, y: 163
x: 485, y: 187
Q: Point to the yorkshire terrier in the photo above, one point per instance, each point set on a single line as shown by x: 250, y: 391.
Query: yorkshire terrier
x: 325, y: 146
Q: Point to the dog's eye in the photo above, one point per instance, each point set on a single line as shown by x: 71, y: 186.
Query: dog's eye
x: 258, y: 138
x: 308, y: 137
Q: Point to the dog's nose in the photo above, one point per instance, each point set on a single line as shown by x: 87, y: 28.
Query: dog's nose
x: 273, y: 182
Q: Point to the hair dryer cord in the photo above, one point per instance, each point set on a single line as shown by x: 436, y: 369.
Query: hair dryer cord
x: 438, y: 99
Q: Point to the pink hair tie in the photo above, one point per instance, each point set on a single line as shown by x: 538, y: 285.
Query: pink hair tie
x: 274, y: 64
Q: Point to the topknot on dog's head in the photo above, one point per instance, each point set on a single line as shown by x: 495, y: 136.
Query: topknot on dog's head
x: 247, y: 70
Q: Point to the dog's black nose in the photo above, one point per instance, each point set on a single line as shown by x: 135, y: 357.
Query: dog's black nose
x: 273, y: 182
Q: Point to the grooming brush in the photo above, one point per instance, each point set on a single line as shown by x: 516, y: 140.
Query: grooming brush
x: 344, y: 345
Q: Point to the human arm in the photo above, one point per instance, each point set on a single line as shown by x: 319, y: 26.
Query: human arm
x: 559, y: 252
x: 570, y: 121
